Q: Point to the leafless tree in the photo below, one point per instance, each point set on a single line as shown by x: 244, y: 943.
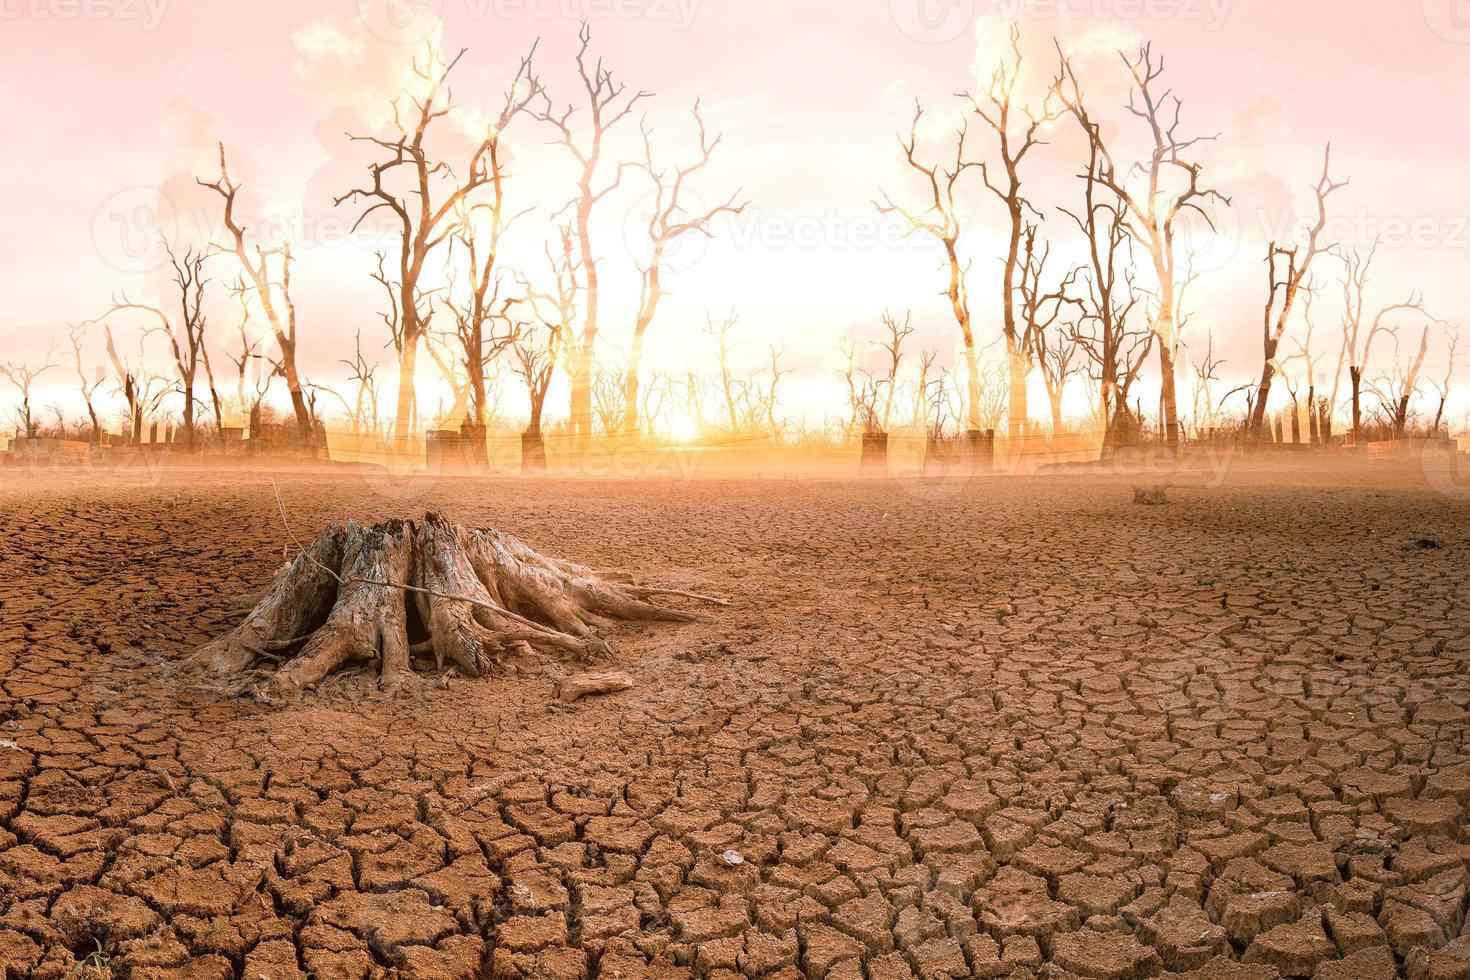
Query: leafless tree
x: 1039, y: 314
x: 482, y: 326
x: 87, y: 386
x: 143, y: 391
x: 1105, y: 331
x: 848, y: 349
x: 721, y: 333
x: 1319, y: 414
x: 668, y: 221
x: 607, y: 104
x: 556, y: 312
x: 608, y: 392
x: 1287, y: 270
x: 772, y: 401
x: 249, y: 355
x: 1358, y: 332
x: 1153, y: 214
x: 887, y: 384
x: 1395, y: 391
x: 940, y: 219
x: 23, y: 376
x: 362, y: 375
x: 185, y: 332
x: 696, y: 389
x: 1018, y: 131
x: 427, y: 214
x: 268, y: 271
x: 1442, y: 387
x: 440, y: 348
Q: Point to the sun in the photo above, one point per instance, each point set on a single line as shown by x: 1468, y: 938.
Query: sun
x: 683, y: 429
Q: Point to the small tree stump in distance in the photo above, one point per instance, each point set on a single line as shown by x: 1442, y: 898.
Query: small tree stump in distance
x: 477, y: 593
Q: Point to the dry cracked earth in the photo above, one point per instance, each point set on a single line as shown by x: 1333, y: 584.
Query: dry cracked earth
x: 1019, y: 728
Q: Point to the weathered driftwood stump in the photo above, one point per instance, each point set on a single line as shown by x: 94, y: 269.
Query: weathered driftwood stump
x: 476, y: 593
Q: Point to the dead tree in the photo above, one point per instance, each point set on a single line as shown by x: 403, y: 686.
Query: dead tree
x: 772, y: 400
x: 129, y: 385
x: 1015, y: 140
x: 1153, y: 214
x: 450, y: 373
x: 1396, y: 391
x: 537, y: 359
x: 361, y: 373
x: 1053, y: 349
x: 940, y: 219
x: 1116, y: 348
x: 87, y: 387
x: 1357, y: 347
x: 1286, y: 272
x: 848, y: 348
x: 270, y: 288
x: 23, y: 376
x: 606, y: 106
x: 1442, y: 387
x: 482, y: 328
x: 696, y: 390
x: 480, y: 593
x: 608, y: 391
x: 1319, y: 428
x: 426, y: 215
x: 185, y: 333
x: 556, y: 311
x: 892, y: 347
x: 723, y: 348
x: 669, y: 221
x: 248, y: 355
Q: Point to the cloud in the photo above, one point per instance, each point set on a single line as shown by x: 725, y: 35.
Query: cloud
x: 345, y: 62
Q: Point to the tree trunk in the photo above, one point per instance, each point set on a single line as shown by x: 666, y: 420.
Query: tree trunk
x: 1167, y: 398
x: 299, y: 407
x: 407, y: 362
x: 479, y: 594
x: 1356, y: 375
x: 631, y: 382
x: 189, y: 412
x: 1313, y: 431
x: 1017, y: 408
x: 1263, y: 393
x: 972, y: 365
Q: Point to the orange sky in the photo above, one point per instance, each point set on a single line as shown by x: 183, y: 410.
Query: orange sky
x: 112, y: 104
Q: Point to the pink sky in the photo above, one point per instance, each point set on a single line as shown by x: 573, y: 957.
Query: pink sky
x: 108, y: 101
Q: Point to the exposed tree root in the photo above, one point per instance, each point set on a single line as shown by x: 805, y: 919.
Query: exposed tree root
x: 477, y: 593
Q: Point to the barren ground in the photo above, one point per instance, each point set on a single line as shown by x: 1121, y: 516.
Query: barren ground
x: 1024, y: 726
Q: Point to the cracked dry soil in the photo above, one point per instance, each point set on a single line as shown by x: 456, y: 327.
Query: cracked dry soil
x: 1023, y: 729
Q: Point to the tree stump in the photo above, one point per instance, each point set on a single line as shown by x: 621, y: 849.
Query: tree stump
x: 477, y: 593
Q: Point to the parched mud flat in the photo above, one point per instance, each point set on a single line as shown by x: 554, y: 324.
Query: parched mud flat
x: 1023, y: 727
